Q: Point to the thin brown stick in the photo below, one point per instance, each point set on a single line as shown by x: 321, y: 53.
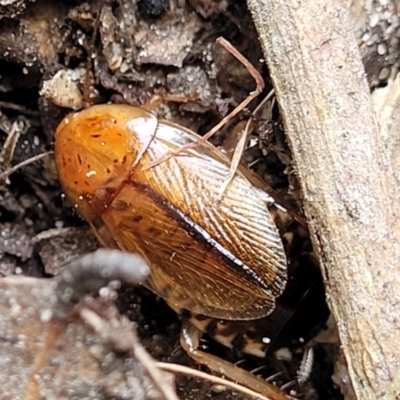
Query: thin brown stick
x: 350, y: 195
x: 259, y: 88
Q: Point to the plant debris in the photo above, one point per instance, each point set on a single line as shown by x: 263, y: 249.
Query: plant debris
x: 56, y: 56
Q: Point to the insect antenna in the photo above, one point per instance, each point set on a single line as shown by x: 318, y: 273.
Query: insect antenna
x: 259, y: 88
x: 31, y: 160
x: 89, y: 64
x: 237, y: 155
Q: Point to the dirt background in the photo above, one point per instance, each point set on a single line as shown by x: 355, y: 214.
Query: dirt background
x: 57, y: 56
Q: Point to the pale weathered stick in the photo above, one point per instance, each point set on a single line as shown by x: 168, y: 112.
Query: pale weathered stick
x: 350, y: 194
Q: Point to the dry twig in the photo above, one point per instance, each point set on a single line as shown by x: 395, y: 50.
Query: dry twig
x: 350, y: 194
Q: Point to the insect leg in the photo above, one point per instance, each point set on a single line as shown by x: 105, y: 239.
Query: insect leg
x: 190, y: 339
x: 237, y: 155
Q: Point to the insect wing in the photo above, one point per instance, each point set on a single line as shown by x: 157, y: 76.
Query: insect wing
x: 222, y: 258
